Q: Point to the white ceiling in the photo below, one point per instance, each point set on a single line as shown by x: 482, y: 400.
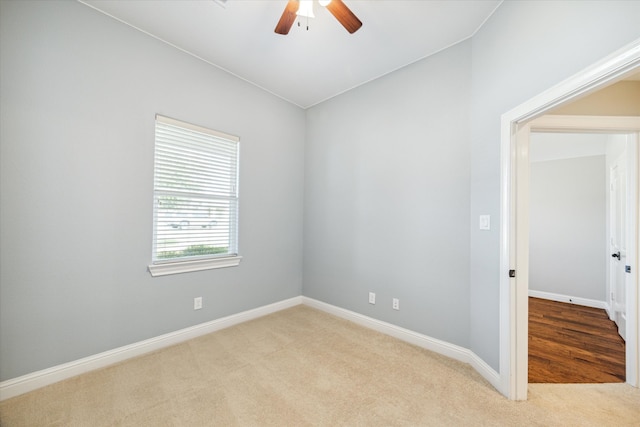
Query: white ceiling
x: 304, y: 67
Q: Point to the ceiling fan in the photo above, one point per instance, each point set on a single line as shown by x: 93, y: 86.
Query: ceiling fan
x: 305, y: 8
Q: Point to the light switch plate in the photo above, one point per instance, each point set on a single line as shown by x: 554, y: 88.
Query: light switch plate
x: 485, y: 222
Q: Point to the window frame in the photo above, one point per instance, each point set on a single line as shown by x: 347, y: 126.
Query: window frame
x: 161, y: 267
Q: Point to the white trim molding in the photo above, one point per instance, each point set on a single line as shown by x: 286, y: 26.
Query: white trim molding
x: 586, y: 302
x: 163, y: 269
x: 26, y: 383
x: 432, y: 344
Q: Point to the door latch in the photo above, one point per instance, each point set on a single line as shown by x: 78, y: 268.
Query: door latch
x: 512, y: 273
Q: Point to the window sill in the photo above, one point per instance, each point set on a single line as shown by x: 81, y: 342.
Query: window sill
x: 195, y: 265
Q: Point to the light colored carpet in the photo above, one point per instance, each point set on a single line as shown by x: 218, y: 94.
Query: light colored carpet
x: 303, y: 367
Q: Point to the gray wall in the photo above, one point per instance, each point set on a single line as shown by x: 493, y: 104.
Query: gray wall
x: 567, y: 245
x: 79, y: 95
x: 387, y: 197
x: 523, y: 49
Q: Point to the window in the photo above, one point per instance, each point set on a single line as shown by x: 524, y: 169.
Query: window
x: 195, y: 198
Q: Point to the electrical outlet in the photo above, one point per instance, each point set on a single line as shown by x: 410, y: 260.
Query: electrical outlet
x: 372, y: 298
x: 197, y: 303
x: 396, y: 304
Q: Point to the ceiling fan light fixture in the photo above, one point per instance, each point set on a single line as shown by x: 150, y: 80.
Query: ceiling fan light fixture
x: 306, y: 9
x: 337, y: 8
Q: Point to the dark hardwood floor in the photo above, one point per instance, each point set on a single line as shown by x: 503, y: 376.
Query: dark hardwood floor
x: 570, y: 343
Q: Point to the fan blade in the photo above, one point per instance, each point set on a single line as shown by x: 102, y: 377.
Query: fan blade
x: 344, y: 15
x: 288, y: 17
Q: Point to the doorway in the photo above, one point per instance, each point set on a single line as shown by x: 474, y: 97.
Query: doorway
x: 516, y: 126
x: 520, y: 233
x: 571, y: 336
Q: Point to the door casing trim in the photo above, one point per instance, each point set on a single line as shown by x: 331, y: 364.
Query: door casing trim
x: 612, y: 68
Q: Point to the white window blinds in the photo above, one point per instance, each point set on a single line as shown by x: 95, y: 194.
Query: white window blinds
x: 195, y: 209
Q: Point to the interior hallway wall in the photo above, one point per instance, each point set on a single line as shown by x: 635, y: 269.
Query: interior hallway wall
x: 619, y: 99
x: 567, y: 242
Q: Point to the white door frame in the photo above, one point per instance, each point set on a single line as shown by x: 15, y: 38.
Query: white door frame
x: 515, y: 125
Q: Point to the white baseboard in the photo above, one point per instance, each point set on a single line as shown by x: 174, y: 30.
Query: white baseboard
x: 35, y: 380
x: 26, y: 383
x: 432, y: 344
x: 567, y: 298
x: 610, y: 312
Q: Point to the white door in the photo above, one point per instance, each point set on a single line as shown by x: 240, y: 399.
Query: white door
x: 617, y: 244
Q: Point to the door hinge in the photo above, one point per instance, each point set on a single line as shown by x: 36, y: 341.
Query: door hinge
x: 627, y: 269
x: 512, y: 273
